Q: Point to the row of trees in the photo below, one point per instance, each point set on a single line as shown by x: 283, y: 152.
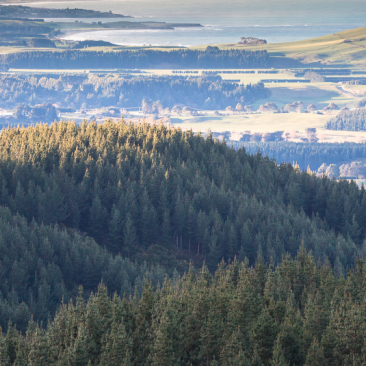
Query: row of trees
x: 23, y: 28
x: 127, y: 91
x: 301, y: 313
x: 45, y: 112
x: 307, y: 154
x: 354, y: 120
x: 210, y: 58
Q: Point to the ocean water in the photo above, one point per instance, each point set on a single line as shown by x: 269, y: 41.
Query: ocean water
x: 223, y: 21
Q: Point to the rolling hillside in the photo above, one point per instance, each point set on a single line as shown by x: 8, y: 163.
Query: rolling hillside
x: 346, y: 48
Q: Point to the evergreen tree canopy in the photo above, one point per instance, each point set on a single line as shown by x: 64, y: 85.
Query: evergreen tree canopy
x: 77, y: 199
x: 240, y: 316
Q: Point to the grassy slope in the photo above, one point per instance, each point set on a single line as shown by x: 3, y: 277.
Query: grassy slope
x: 343, y: 48
x: 253, y: 122
x: 262, y: 123
x: 346, y: 48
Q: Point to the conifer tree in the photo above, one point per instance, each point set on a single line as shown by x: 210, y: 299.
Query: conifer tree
x: 232, y: 243
x: 117, y: 348
x: 98, y: 219
x: 278, y: 358
x: 129, y: 236
x: 264, y: 334
x: 232, y: 353
x: 162, y: 349
x: 11, y: 342
x: 4, y: 356
x: 256, y: 360
x: 215, y: 253
x: 115, y: 231
x: 142, y: 335
x: 191, y: 227
x: 166, y: 234
x: 80, y: 354
x: 315, y: 355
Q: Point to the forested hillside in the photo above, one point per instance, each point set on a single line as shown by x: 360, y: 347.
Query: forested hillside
x: 43, y: 265
x: 211, y: 58
x: 300, y: 313
x: 78, y: 199
x: 173, y: 189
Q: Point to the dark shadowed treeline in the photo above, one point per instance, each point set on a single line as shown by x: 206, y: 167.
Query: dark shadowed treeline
x: 43, y: 265
x: 300, y: 313
x: 307, y: 154
x: 23, y: 28
x: 211, y: 58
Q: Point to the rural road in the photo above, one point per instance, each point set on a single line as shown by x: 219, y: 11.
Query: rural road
x: 347, y: 92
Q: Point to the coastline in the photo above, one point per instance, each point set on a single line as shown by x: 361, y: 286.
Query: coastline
x: 139, y: 26
x: 21, y: 2
x: 70, y: 33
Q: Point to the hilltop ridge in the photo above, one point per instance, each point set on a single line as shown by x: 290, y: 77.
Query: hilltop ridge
x: 20, y: 11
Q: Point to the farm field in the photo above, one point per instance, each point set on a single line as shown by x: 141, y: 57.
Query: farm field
x: 321, y: 93
x: 293, y: 123
x: 269, y: 122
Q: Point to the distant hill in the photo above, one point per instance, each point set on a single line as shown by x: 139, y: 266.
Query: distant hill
x: 347, y: 48
x: 19, y: 11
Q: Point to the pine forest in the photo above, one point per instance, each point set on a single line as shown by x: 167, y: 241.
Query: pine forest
x: 141, y: 244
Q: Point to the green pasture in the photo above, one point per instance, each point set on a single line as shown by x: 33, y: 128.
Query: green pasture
x: 293, y: 123
x: 320, y: 94
x: 267, y: 122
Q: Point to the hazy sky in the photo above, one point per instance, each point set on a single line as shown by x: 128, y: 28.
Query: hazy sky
x: 315, y: 10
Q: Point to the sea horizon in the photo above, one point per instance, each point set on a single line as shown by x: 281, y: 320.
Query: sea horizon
x: 276, y: 22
